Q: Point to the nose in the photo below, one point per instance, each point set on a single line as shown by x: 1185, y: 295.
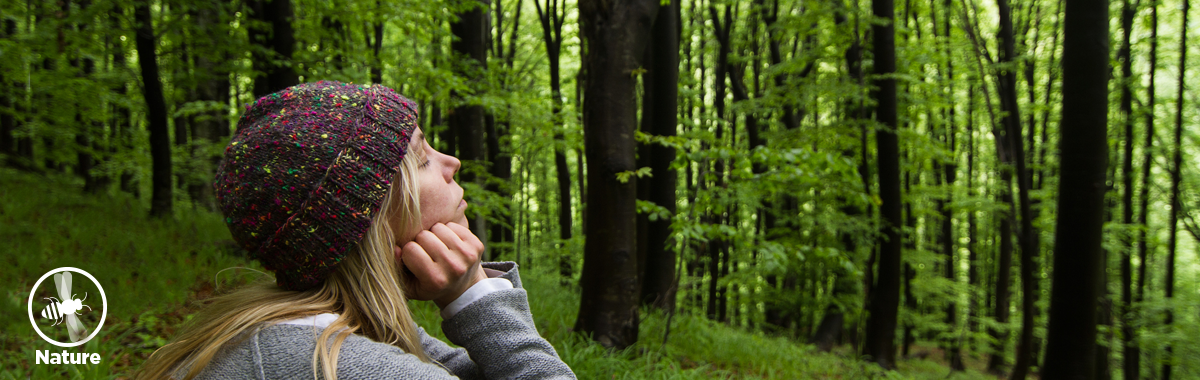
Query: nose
x: 452, y: 165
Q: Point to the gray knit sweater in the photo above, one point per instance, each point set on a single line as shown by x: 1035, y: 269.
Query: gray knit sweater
x: 496, y: 331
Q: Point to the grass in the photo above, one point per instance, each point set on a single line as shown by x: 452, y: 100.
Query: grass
x: 153, y: 271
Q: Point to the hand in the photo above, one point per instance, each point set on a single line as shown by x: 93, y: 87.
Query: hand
x: 444, y: 262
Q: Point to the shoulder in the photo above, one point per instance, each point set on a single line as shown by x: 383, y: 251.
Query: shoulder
x: 286, y: 351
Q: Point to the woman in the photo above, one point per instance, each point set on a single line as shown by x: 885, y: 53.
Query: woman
x: 333, y: 187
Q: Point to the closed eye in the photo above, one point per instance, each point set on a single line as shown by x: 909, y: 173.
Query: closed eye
x: 424, y: 164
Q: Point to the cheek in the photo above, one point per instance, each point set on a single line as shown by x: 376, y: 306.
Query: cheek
x: 431, y: 210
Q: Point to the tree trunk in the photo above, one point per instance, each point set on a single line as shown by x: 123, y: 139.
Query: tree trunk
x: 719, y: 246
x: 21, y: 155
x: 1011, y: 120
x: 1083, y: 152
x: 156, y: 107
x: 499, y: 153
x: 122, y: 121
x: 615, y: 36
x: 1130, y: 350
x: 377, y: 47
x: 1003, y: 278
x: 1147, y: 157
x: 885, y: 302
x: 274, y: 68
x: 1176, y: 175
x: 1007, y: 136
x: 211, y: 127
x: 551, y: 18
x: 468, y: 118
x: 972, y: 228
x: 659, y: 117
x: 8, y: 102
x: 910, y: 274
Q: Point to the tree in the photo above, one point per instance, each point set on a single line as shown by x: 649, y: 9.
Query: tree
x: 1007, y: 89
x: 160, y: 143
x: 499, y: 156
x: 885, y: 300
x: 8, y: 122
x: 615, y: 36
x: 1176, y: 175
x: 551, y: 17
x: 471, y: 37
x: 212, y: 88
x: 274, y: 42
x: 1083, y: 152
x: 1128, y: 333
x: 659, y: 118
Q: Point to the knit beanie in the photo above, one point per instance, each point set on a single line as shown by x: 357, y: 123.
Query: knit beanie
x: 306, y: 172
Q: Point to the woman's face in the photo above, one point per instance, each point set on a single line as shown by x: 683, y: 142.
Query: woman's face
x: 441, y: 197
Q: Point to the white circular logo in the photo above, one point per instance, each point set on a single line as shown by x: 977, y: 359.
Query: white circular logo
x: 61, y: 309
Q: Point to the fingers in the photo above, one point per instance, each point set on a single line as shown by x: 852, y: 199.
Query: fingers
x: 459, y: 255
x: 417, y: 260
x: 433, y: 244
x: 466, y: 235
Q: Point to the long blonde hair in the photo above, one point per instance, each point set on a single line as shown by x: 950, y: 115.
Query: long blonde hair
x: 365, y: 291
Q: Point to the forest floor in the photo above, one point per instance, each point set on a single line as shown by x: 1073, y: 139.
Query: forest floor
x: 155, y: 274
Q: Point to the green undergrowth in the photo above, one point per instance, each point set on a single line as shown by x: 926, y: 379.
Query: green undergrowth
x: 154, y: 271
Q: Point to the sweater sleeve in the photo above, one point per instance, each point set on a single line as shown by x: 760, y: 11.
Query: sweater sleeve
x: 456, y: 360
x: 500, y: 337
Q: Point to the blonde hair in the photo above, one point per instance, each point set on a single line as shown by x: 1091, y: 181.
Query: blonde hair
x: 366, y: 291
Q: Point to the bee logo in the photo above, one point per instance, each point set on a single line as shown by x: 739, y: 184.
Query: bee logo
x: 61, y: 311
x: 66, y: 308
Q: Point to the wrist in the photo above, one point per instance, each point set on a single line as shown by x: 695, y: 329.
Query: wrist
x: 474, y: 294
x: 444, y: 301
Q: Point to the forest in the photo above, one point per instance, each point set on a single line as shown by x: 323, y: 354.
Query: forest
x: 960, y: 181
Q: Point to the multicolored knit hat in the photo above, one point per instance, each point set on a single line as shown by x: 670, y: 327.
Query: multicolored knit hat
x: 307, y: 171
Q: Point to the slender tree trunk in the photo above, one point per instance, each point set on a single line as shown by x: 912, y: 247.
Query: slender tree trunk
x: 156, y: 106
x: 885, y: 302
x: 1008, y: 142
x: 1176, y: 175
x: 1083, y: 152
x: 499, y: 153
x: 615, y: 34
x: 121, y: 122
x: 377, y: 47
x: 1130, y: 350
x: 86, y: 127
x: 8, y: 102
x: 1003, y: 279
x: 790, y: 117
x: 181, y: 93
x: 972, y: 229
x: 551, y: 18
x: 1147, y: 157
x: 910, y: 274
x: 719, y: 247
x: 1012, y: 124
